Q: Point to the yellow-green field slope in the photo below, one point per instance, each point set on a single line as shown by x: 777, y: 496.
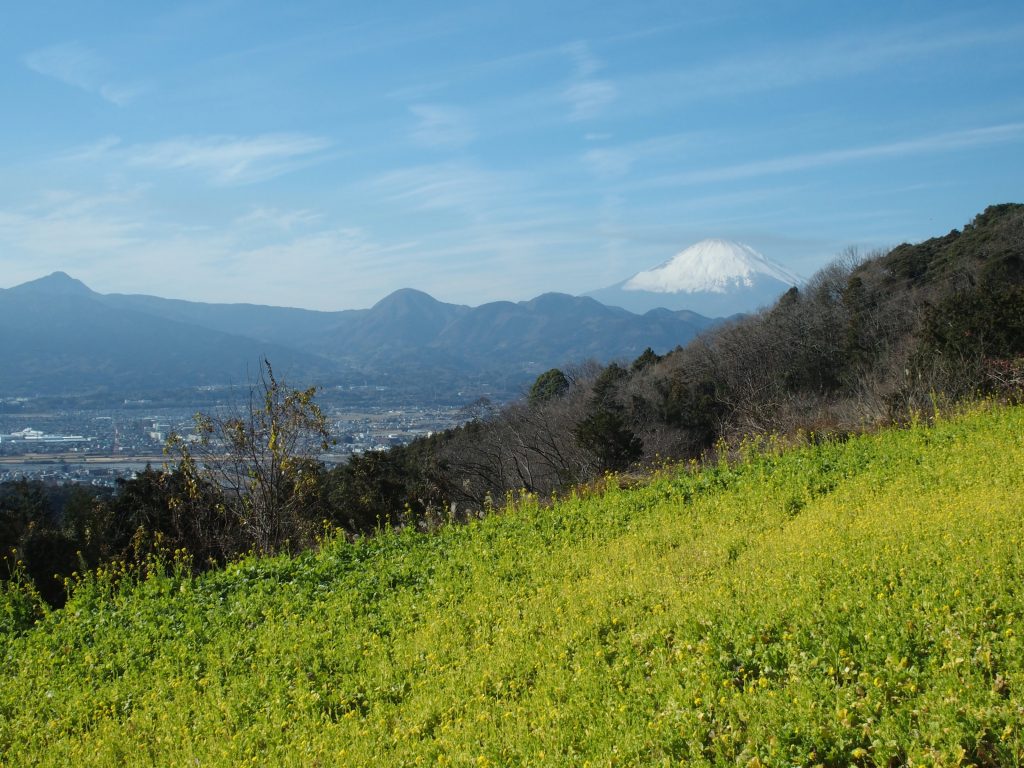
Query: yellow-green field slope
x: 854, y: 603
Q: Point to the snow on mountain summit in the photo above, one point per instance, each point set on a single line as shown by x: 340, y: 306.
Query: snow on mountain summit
x: 710, y: 266
x: 714, y: 278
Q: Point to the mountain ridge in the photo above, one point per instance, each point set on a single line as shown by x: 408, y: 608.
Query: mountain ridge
x: 54, y: 284
x: 66, y: 337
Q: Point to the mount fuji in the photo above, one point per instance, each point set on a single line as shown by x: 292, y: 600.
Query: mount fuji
x: 715, y: 278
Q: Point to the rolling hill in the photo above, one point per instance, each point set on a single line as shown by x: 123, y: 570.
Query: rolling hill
x: 846, y: 603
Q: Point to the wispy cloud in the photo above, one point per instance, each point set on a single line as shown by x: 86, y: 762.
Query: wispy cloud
x: 81, y: 67
x: 63, y: 229
x: 484, y: 225
x: 937, y: 143
x: 339, y: 256
x: 223, y: 160
x: 588, y: 96
x: 811, y: 61
x: 92, y: 151
x: 585, y: 63
x: 231, y: 160
x: 116, y: 242
x: 441, y: 126
x: 607, y: 163
x: 444, y: 186
x: 612, y: 161
x: 279, y: 219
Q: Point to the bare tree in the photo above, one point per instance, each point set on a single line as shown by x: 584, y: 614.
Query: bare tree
x: 263, y: 459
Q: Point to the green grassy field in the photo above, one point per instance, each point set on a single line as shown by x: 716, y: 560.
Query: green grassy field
x: 853, y: 603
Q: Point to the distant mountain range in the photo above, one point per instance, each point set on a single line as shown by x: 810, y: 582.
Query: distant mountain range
x: 60, y: 337
x: 713, y: 277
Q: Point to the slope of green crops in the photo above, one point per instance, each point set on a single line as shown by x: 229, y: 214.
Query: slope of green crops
x: 856, y: 603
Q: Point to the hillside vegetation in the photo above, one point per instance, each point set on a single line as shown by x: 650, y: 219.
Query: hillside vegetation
x: 840, y: 603
x: 863, y: 343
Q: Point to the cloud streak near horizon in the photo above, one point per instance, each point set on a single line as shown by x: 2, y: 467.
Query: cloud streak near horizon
x: 229, y: 160
x: 220, y: 160
x: 934, y: 144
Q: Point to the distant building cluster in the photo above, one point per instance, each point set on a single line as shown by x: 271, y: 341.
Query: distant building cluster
x: 30, y: 435
x: 97, y: 447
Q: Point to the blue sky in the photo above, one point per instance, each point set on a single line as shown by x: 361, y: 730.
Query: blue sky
x: 323, y: 154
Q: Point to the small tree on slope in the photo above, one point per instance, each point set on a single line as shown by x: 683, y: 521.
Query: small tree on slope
x: 263, y: 459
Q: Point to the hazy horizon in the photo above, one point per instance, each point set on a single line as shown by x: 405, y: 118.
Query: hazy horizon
x: 320, y: 156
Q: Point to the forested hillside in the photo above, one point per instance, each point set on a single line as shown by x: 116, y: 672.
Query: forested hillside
x: 848, y: 603
x: 866, y: 342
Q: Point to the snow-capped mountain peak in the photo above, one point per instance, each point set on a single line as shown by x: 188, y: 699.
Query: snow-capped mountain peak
x: 710, y: 266
x: 715, y: 278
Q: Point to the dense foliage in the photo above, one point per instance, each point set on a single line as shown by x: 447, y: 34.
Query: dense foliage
x: 865, y: 342
x: 850, y: 602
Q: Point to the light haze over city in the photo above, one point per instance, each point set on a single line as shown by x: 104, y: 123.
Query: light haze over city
x: 324, y: 154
